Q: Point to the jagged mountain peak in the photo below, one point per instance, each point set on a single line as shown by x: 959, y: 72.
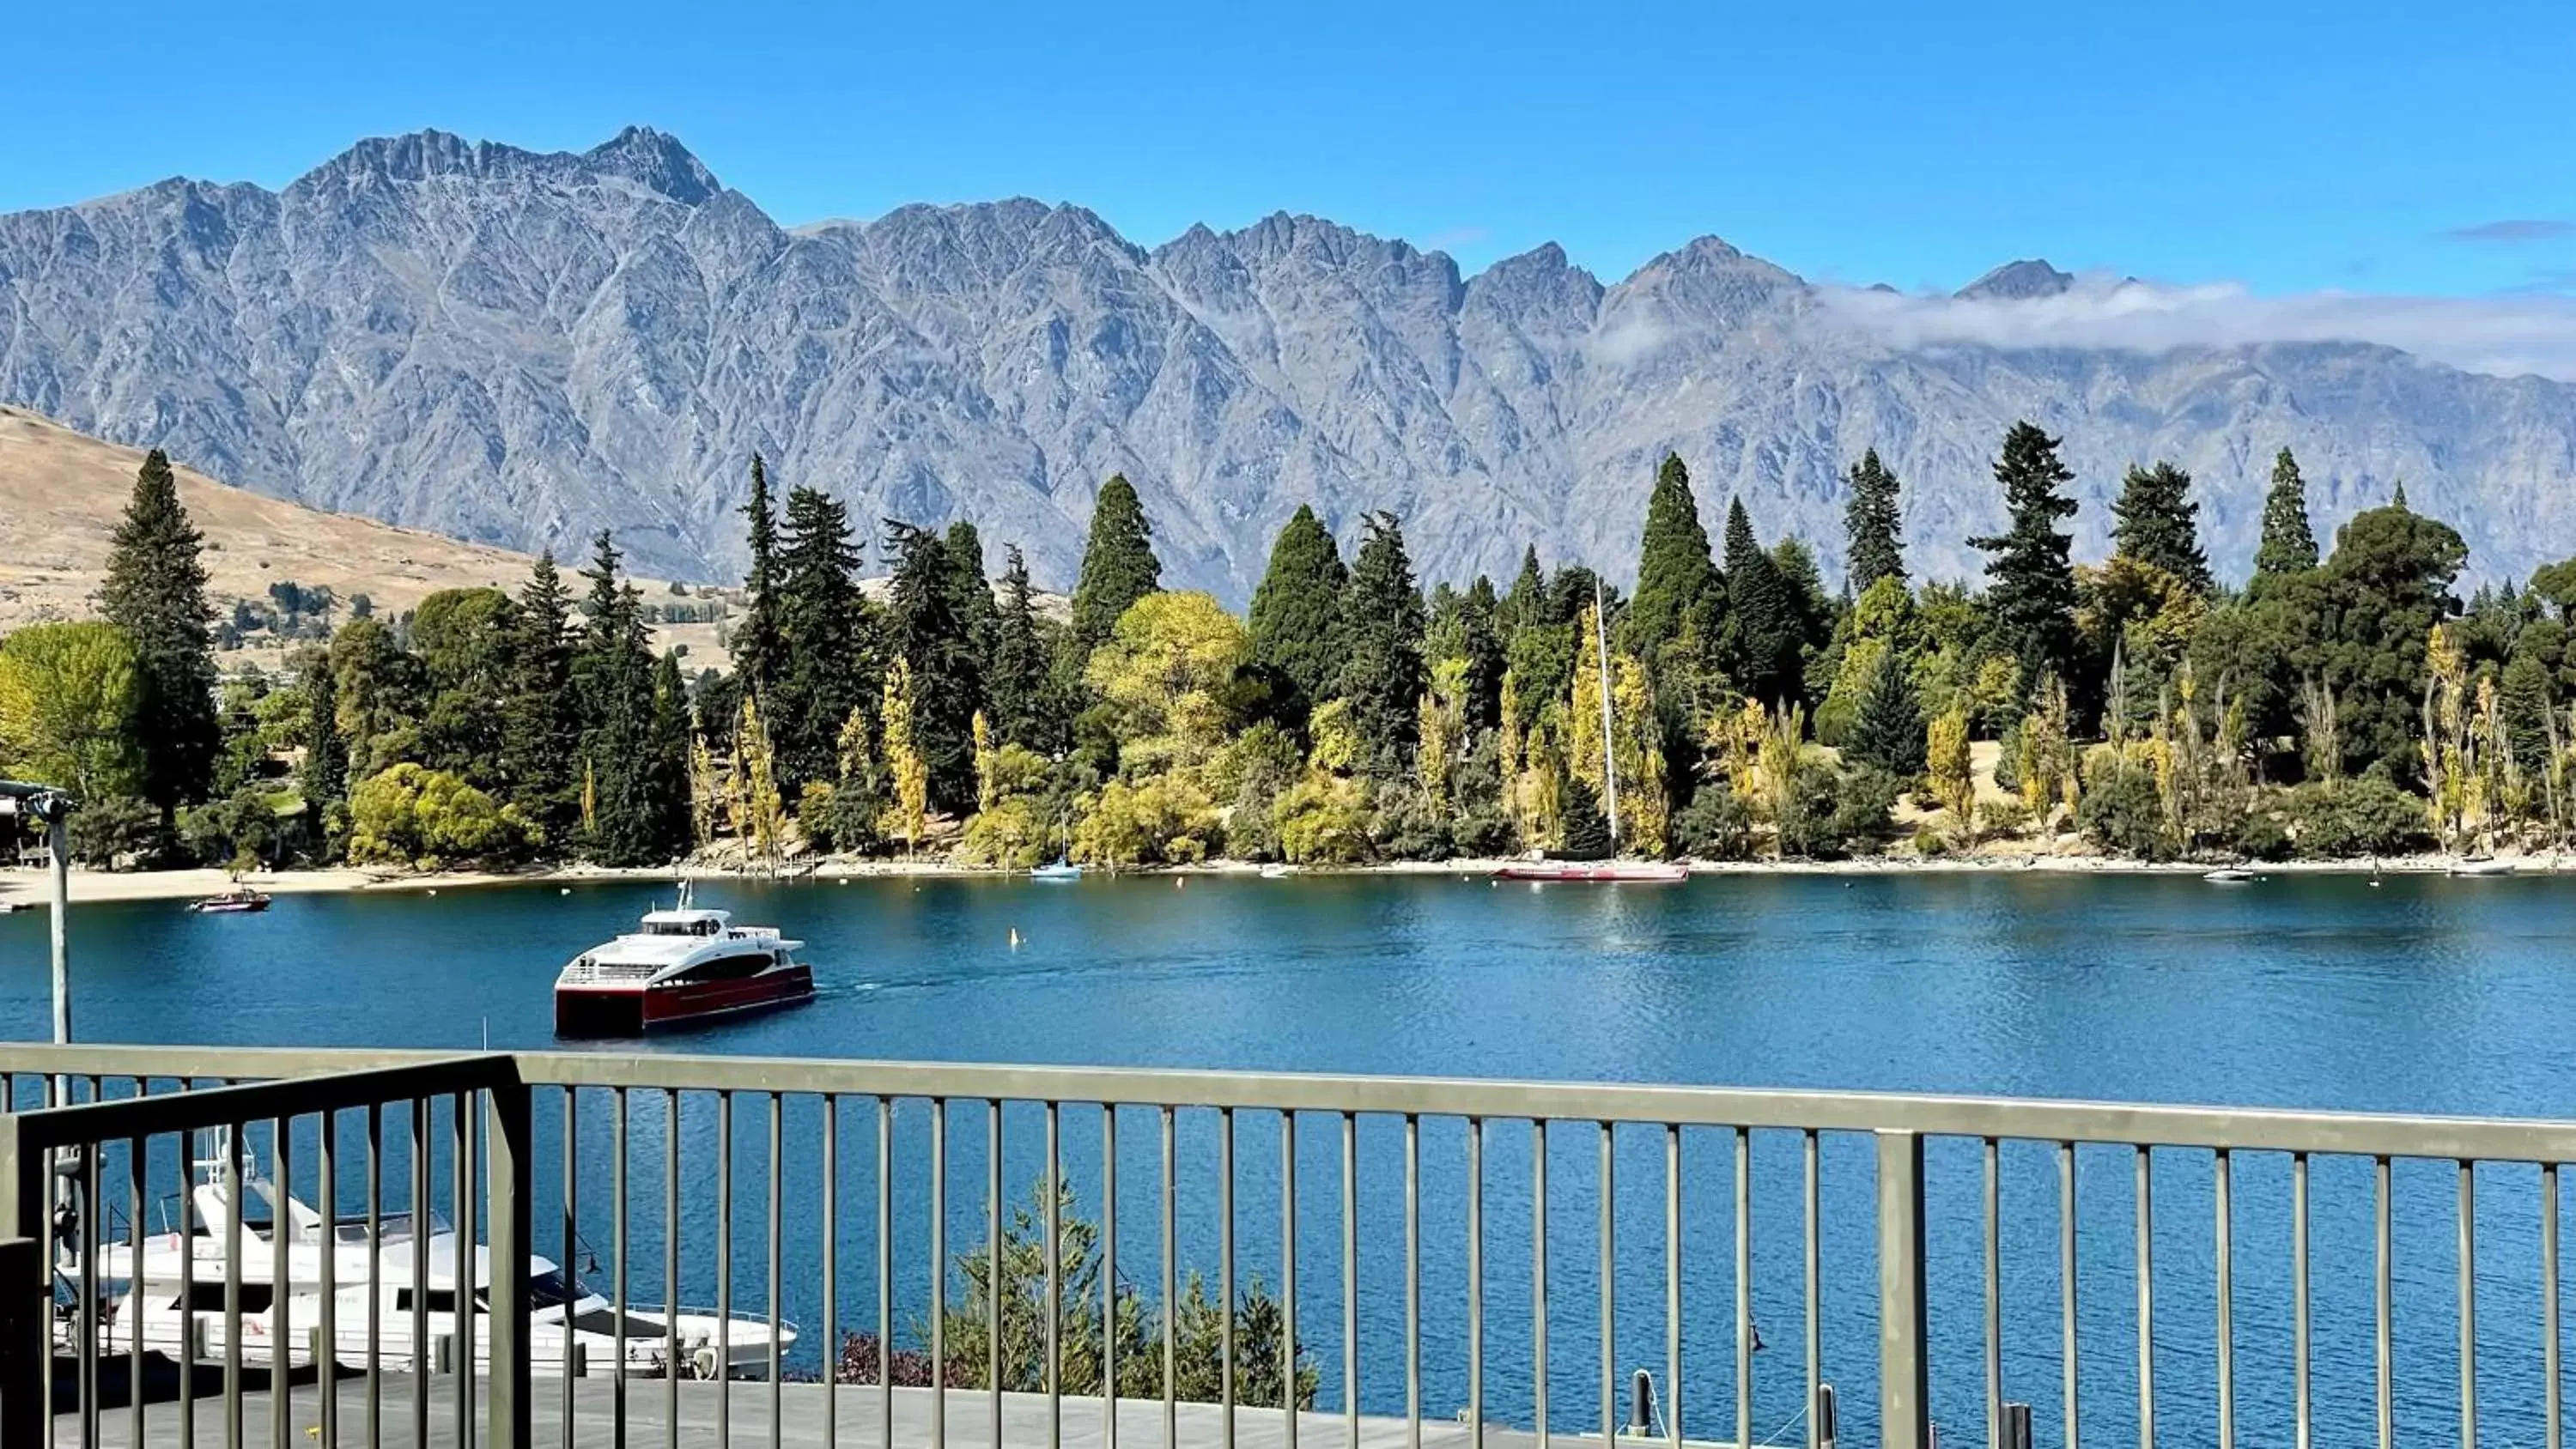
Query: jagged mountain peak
x: 652, y: 159
x: 657, y: 160
x: 2026, y: 280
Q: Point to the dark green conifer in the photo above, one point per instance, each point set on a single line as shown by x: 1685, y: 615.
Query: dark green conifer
x: 540, y: 718
x: 1296, y: 613
x: 325, y: 777
x: 2030, y: 585
x: 156, y: 592
x: 823, y: 664
x: 1873, y: 526
x: 923, y: 629
x: 1022, y: 704
x: 1118, y: 564
x: 1382, y: 671
x: 1677, y: 583
x: 1888, y: 730
x: 2289, y: 544
x: 756, y: 638
x: 613, y: 674
x: 2156, y: 523
x: 1762, y: 627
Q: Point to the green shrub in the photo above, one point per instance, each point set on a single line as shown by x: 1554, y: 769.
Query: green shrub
x: 1716, y: 825
x: 2121, y: 813
x: 2262, y: 836
x: 2349, y: 818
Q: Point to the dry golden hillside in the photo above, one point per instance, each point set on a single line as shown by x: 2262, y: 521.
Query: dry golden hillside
x: 61, y: 493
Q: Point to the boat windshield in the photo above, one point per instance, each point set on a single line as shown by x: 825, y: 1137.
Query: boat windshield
x: 680, y: 928
x: 557, y: 1289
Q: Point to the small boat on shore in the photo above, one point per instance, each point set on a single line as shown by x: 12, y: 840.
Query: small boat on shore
x: 237, y: 901
x: 1596, y: 872
x: 1057, y: 870
x: 1277, y: 872
x: 2478, y: 865
x: 686, y: 965
x: 2229, y: 875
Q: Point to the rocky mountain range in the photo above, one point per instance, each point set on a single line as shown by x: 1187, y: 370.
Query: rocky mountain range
x: 519, y: 348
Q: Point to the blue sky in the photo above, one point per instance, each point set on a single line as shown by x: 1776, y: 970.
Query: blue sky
x: 2417, y: 149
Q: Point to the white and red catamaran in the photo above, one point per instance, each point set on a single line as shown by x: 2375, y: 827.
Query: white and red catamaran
x: 686, y: 964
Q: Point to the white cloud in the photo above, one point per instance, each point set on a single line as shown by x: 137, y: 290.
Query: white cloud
x: 1628, y: 339
x: 2505, y: 336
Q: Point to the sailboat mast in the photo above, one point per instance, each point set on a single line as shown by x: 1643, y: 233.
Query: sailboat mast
x: 1609, y: 760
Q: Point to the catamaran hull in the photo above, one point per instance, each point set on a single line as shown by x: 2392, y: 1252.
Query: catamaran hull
x: 590, y: 1011
x: 1605, y: 874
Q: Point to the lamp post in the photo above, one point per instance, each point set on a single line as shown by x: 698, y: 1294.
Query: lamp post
x: 52, y: 809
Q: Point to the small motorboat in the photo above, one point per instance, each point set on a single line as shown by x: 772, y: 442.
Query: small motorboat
x: 233, y: 902
x: 1059, y: 869
x: 2229, y: 875
x: 1277, y: 872
x: 686, y: 965
x: 2481, y: 865
x: 1596, y: 872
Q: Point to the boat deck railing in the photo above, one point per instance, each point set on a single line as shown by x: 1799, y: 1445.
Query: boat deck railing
x: 1909, y: 1253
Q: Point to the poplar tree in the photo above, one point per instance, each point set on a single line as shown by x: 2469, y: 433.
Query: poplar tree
x: 1118, y: 564
x: 1296, y: 613
x: 2155, y: 522
x: 1873, y: 528
x: 156, y: 592
x: 756, y: 638
x: 1677, y: 582
x: 2030, y: 592
x: 1382, y: 672
x: 1762, y: 622
x: 2289, y: 544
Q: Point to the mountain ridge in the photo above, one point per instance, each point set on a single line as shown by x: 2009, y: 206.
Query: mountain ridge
x: 517, y: 347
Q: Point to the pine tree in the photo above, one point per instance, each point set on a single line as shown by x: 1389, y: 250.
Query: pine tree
x: 622, y: 759
x: 1888, y: 731
x: 541, y: 719
x: 1381, y: 631
x: 923, y: 630
x: 2156, y: 523
x: 1762, y: 625
x: 2030, y: 593
x: 1873, y: 527
x: 1526, y: 604
x: 1118, y: 564
x: 970, y: 593
x: 1296, y: 613
x: 666, y: 786
x: 2289, y: 544
x: 1677, y: 583
x: 156, y: 593
x: 822, y: 665
x: 756, y: 646
x: 325, y: 781
x: 1017, y: 684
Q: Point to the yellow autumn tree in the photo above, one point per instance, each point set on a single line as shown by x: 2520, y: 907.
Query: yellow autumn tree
x: 1954, y: 781
x: 909, y: 815
x: 764, y: 814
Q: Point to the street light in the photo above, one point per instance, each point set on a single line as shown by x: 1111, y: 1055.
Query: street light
x: 52, y: 809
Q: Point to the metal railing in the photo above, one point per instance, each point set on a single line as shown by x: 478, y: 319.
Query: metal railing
x: 1942, y: 1258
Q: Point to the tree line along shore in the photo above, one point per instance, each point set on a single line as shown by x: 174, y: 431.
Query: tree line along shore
x: 2337, y: 704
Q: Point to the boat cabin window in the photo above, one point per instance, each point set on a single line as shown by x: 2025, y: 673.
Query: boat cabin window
x: 557, y: 1289
x: 705, y: 927
x: 204, y: 1297
x: 434, y: 1300
x: 727, y: 968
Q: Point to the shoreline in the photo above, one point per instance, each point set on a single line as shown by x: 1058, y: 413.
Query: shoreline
x: 27, y: 889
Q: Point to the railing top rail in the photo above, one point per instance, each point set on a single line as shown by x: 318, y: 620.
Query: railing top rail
x: 287, y: 1095
x: 2222, y: 1128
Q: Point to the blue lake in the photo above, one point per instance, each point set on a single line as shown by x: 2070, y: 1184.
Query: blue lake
x: 2419, y: 995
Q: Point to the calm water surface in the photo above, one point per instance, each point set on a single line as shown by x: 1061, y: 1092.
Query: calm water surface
x: 2422, y: 995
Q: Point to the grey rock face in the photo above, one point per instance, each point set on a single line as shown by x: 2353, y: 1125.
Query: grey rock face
x: 522, y: 349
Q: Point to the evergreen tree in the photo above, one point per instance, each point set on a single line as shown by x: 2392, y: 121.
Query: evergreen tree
x: 540, y: 717
x: 1017, y: 685
x: 1873, y: 527
x: 923, y: 630
x: 624, y: 824
x: 666, y: 790
x: 970, y: 592
x: 1888, y: 731
x: 2030, y: 593
x: 756, y: 644
x: 1526, y: 604
x: 1762, y: 626
x: 1677, y: 583
x: 325, y: 777
x: 1296, y: 613
x: 2523, y: 697
x: 156, y: 593
x: 1118, y: 564
x: 2156, y: 523
x: 2289, y: 545
x: 1382, y: 672
x: 1462, y: 628
x: 821, y: 671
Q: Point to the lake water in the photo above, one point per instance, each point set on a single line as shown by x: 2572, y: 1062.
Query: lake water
x: 2419, y: 995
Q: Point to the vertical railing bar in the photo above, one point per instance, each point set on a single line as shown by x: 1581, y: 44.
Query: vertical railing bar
x: 1288, y: 1276
x: 2146, y: 1299
x: 92, y: 1410
x: 2550, y: 1388
x: 281, y: 1300
x: 571, y: 1237
x: 1171, y: 1289
x: 1993, y: 1154
x: 2299, y: 1297
x: 233, y: 1194
x: 1672, y: 1397
x: 993, y: 1264
x: 2468, y: 1304
x: 326, y: 1369
x: 724, y: 1268
x: 831, y: 1227
x: 617, y: 1283
x: 777, y: 1228
x: 1475, y: 1280
x: 1744, y: 1329
x: 1412, y: 1281
x: 422, y: 1195
x: 1351, y: 1279
x: 187, y: 1238
x: 671, y: 1268
x: 1609, y: 1295
x: 2383, y: 1294
x: 1225, y: 1272
x: 375, y: 1280
x: 468, y: 1108
x: 885, y: 1272
x: 137, y: 1159
x: 1108, y: 1275
x: 1538, y: 1281
x: 1054, y: 1280
x: 2223, y: 1201
x: 1815, y: 1346
x: 938, y: 1277
x: 2069, y: 1363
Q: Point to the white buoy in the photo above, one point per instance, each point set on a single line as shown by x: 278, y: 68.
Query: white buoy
x: 1015, y: 938
x: 567, y: 890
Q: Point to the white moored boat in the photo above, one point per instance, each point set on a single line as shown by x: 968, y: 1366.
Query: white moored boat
x: 685, y: 965
x: 177, y: 1298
